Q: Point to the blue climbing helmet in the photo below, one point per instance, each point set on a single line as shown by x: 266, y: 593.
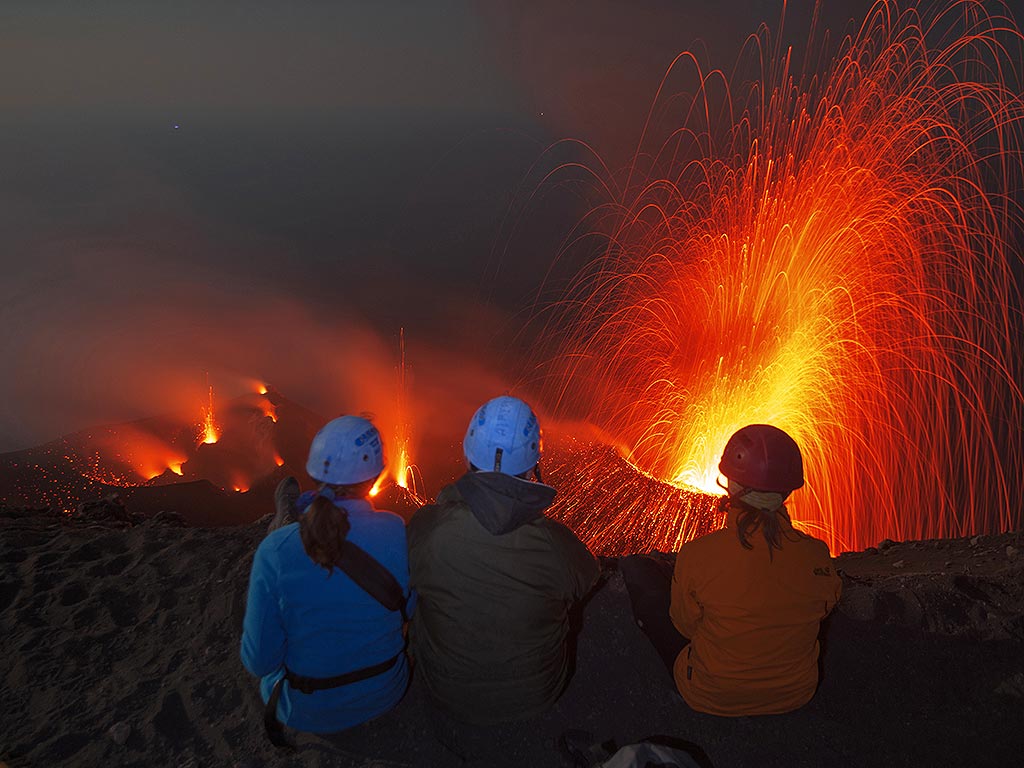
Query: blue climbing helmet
x: 348, y: 450
x: 503, y: 436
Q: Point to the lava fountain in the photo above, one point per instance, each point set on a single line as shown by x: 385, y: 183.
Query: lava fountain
x: 209, y: 432
x: 832, y: 252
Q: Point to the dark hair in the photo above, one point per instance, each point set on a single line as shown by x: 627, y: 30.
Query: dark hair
x: 750, y: 519
x: 323, y: 529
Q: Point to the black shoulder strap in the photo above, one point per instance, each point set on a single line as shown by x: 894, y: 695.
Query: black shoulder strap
x: 366, y: 571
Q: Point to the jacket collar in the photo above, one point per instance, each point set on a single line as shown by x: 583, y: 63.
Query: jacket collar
x: 502, y: 503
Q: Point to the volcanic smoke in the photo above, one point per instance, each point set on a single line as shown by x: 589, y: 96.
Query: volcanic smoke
x: 831, y: 252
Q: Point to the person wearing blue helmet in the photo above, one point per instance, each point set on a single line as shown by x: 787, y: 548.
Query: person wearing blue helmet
x: 329, y: 594
x: 495, y: 578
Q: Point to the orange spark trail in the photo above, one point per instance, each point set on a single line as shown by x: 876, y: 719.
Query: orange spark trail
x: 828, y: 252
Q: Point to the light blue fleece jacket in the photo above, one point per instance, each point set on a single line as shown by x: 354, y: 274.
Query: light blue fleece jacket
x: 320, y: 626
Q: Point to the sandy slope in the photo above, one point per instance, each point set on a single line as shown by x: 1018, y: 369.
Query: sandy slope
x: 108, y: 633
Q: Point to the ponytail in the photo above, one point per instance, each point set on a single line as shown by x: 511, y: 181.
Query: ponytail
x: 323, y: 529
x: 750, y: 519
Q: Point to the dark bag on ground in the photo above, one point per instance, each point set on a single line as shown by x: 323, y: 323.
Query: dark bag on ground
x: 582, y: 751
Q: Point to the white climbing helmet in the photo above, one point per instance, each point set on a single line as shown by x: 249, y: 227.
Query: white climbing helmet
x: 348, y: 450
x: 503, y: 436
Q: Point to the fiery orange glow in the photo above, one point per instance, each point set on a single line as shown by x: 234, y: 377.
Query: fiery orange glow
x: 261, y: 389
x: 378, y: 485
x: 400, y: 467
x: 152, y: 460
x: 830, y: 252
x: 269, y: 410
x: 210, y: 432
x: 278, y: 460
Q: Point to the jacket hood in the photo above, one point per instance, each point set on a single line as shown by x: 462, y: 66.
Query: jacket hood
x: 501, y: 503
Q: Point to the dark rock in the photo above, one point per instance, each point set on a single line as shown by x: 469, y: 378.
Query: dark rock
x: 885, y: 544
x: 1012, y: 686
x: 119, y: 733
x: 859, y: 602
x: 109, y: 510
x: 169, y: 518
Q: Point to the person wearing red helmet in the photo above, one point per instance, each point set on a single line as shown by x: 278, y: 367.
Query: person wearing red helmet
x: 746, y: 602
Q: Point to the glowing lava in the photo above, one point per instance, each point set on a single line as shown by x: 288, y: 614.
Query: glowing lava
x: 269, y: 410
x: 401, y: 467
x: 831, y: 253
x: 210, y: 432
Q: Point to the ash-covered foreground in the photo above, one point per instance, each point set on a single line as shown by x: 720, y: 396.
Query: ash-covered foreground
x: 119, y: 646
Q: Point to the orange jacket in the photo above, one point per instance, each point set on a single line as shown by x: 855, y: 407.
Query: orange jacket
x: 753, y: 622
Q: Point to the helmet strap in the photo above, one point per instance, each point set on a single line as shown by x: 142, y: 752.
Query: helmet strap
x: 762, y: 501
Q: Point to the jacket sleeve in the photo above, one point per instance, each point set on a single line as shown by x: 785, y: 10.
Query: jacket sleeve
x: 263, y: 636
x: 684, y: 609
x: 581, y: 566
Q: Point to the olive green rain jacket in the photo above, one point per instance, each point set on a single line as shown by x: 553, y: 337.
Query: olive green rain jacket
x: 495, y: 581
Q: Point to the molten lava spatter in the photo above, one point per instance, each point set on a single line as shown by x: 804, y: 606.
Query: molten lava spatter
x: 209, y: 433
x: 829, y: 253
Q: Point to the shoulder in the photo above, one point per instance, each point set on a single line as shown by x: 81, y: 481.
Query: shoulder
x: 699, y: 557
x: 277, y: 546
x: 447, y: 507
x: 386, y: 519
x: 379, y: 524
x: 557, y: 531
x: 708, y: 542
x: 816, y: 548
x: 561, y: 537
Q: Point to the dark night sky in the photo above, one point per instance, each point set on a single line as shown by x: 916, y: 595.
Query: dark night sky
x: 271, y: 189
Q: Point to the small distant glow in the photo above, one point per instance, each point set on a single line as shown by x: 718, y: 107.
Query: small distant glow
x: 278, y: 460
x: 261, y: 389
x: 176, y: 126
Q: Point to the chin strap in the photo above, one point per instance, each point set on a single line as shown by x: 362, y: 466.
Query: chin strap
x: 765, y: 501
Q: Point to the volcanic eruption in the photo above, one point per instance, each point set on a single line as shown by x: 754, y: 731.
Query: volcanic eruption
x: 831, y: 246
x: 832, y: 251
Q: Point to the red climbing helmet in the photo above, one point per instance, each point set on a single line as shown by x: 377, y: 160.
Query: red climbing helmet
x: 764, y: 458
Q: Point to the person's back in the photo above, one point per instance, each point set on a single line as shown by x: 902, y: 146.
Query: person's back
x: 328, y: 624
x: 495, y: 581
x: 753, y: 620
x: 323, y: 624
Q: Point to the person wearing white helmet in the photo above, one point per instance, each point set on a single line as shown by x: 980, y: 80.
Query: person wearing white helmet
x: 495, y: 578
x: 329, y: 594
